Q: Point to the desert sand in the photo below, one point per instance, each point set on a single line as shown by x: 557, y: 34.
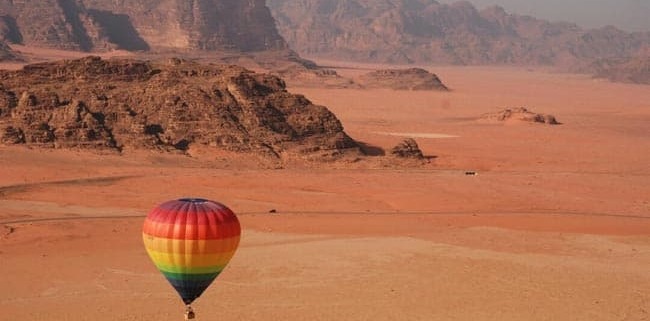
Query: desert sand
x: 555, y: 226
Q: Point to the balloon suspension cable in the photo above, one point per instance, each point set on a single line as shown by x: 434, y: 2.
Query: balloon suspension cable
x: 189, y: 313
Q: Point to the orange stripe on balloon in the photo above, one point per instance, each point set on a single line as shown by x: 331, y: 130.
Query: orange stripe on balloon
x: 159, y: 244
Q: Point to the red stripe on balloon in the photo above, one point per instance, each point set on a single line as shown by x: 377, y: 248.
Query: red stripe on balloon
x: 191, y: 221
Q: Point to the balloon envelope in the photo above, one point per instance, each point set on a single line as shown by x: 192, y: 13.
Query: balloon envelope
x: 191, y: 241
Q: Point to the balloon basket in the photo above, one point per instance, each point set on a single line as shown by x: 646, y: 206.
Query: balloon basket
x: 189, y: 313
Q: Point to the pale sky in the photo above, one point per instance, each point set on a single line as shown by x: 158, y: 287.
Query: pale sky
x: 631, y: 15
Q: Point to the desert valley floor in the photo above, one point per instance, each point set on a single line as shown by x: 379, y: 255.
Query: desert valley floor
x: 555, y: 226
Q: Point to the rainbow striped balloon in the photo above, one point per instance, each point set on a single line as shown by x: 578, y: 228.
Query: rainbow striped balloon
x: 191, y: 241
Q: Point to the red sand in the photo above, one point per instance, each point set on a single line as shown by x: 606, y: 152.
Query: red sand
x: 555, y: 226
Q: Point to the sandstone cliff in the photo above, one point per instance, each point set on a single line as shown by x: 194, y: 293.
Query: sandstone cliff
x: 97, y: 25
x: 63, y: 24
x: 425, y: 31
x: 194, y: 24
x: 128, y: 104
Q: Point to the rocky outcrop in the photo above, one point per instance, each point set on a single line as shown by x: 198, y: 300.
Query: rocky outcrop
x: 425, y: 31
x: 302, y: 75
x: 403, y: 79
x: 407, y: 149
x: 520, y: 114
x: 167, y: 106
x: 98, y: 25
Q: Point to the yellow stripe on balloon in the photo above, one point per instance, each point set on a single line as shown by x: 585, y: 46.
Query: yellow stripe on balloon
x: 191, y: 260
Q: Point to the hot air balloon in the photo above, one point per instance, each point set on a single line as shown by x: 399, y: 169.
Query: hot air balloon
x: 191, y: 240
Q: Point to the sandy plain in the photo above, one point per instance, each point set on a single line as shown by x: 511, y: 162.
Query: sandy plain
x: 556, y: 226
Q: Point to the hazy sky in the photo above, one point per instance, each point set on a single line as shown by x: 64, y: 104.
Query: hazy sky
x: 633, y: 15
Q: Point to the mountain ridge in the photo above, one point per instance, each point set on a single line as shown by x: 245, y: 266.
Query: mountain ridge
x: 426, y: 31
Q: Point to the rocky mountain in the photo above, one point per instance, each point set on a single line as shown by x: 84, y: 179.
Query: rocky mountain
x: 195, y: 24
x: 63, y: 24
x: 97, y: 25
x: 170, y: 105
x: 426, y: 31
x: 630, y: 69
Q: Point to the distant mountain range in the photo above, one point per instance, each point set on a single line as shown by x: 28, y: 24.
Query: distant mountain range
x: 426, y: 31
x: 630, y: 15
x: 387, y: 31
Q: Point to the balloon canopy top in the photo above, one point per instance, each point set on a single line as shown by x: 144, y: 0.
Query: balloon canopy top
x: 193, y: 200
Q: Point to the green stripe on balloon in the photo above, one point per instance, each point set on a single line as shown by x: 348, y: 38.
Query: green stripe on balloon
x: 190, y: 269
x: 190, y: 277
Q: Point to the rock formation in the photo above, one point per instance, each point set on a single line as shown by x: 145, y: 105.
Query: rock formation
x: 197, y: 24
x: 407, y: 149
x: 425, y: 31
x: 6, y: 53
x: 631, y: 70
x: 172, y: 105
x: 520, y: 114
x: 313, y: 76
x: 63, y: 24
x: 403, y: 79
x: 96, y: 25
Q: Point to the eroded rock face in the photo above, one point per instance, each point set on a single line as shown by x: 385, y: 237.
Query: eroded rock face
x: 403, y: 79
x: 407, y: 149
x: 63, y: 24
x: 171, y: 105
x: 98, y: 25
x: 521, y: 114
x: 197, y: 24
x: 631, y: 70
x: 426, y: 31
x: 7, y: 54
